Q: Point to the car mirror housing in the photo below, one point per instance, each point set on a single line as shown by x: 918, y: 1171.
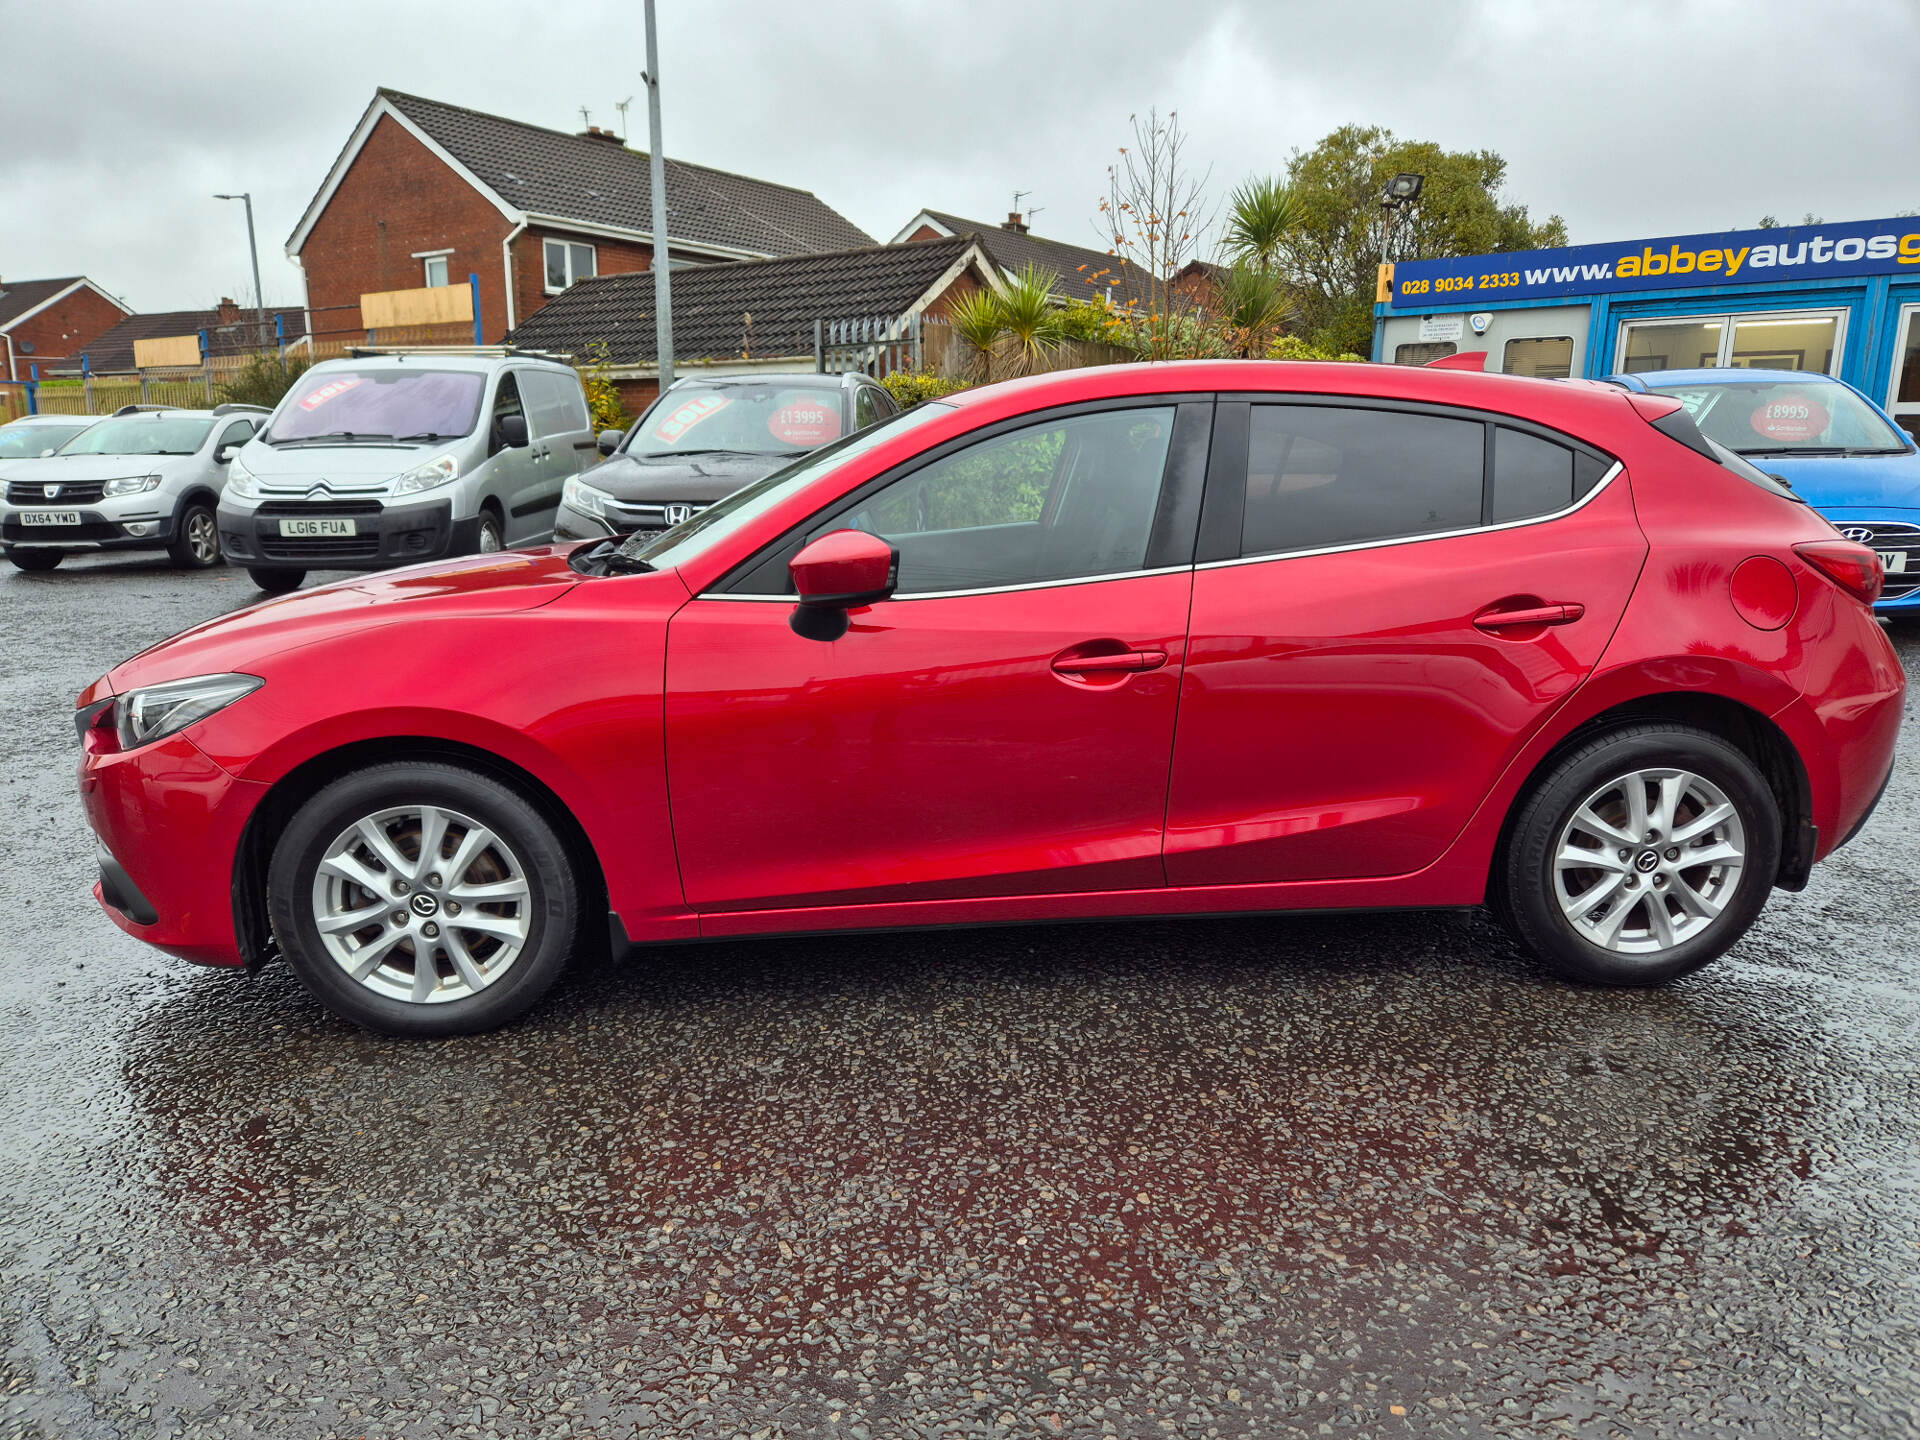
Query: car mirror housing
x: 223, y: 455
x: 513, y: 431
x: 836, y: 573
x: 610, y: 440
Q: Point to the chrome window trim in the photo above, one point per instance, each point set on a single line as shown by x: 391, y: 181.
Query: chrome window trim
x: 984, y: 590
x: 1267, y: 557
x: 1598, y: 489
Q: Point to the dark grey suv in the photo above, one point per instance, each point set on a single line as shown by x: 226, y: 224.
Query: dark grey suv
x: 705, y: 438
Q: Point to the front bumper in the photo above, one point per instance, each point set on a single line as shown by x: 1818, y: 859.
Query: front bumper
x: 385, y: 534
x: 169, y: 821
x: 572, y: 524
x: 97, y: 530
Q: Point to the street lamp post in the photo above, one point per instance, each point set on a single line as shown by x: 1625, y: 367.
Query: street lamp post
x: 657, y: 169
x: 253, y: 249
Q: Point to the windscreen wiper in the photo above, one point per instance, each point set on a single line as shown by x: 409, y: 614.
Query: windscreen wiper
x: 352, y: 437
x: 609, y: 558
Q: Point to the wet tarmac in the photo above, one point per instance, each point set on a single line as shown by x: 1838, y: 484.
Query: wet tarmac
x: 1369, y: 1176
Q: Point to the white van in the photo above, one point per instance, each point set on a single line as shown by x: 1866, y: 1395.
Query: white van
x: 392, y: 459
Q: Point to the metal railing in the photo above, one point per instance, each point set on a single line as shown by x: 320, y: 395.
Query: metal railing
x: 875, y: 345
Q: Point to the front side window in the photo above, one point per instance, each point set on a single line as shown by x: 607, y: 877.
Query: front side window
x: 1326, y: 475
x: 1062, y: 500
x: 554, y: 402
x: 866, y: 408
x: 236, y: 434
x: 1787, y: 418
x: 567, y: 262
x: 140, y: 435
x: 388, y: 404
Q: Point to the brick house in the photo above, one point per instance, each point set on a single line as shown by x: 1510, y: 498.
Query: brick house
x: 230, y: 329
x: 752, y: 315
x: 426, y: 193
x: 1081, y: 272
x: 48, y: 322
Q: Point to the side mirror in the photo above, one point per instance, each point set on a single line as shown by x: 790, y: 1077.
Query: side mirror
x: 836, y: 573
x: 513, y: 431
x: 223, y: 455
x: 610, y: 440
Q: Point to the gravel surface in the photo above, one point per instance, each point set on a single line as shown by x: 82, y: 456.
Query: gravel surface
x: 1372, y: 1175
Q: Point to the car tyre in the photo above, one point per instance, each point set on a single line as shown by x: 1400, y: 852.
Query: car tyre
x: 309, y: 886
x: 492, y: 537
x: 275, y: 582
x: 196, y: 538
x: 1597, y: 923
x: 35, y: 560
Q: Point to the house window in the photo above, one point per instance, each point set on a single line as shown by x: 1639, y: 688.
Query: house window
x: 436, y: 270
x: 566, y: 263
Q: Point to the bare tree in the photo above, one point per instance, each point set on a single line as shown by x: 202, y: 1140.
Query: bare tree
x: 1153, y: 216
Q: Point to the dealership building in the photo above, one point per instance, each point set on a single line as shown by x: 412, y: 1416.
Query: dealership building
x: 1840, y: 299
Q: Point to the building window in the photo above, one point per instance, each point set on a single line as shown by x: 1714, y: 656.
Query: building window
x: 566, y: 263
x: 1543, y: 357
x: 1766, y: 341
x: 1423, y: 353
x: 436, y: 269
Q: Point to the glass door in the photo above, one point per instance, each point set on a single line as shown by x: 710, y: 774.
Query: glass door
x: 1903, y: 397
x: 1808, y: 340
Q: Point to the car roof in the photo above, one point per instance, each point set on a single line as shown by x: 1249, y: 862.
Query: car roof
x: 807, y: 379
x: 44, y: 419
x: 429, y: 360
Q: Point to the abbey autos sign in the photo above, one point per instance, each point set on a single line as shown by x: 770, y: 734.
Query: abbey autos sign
x: 1736, y: 257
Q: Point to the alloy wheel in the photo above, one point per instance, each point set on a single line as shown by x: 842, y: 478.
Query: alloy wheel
x: 203, y: 537
x: 1649, y: 861
x: 421, y: 903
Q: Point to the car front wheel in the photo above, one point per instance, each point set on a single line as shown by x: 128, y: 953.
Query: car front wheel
x: 196, y: 541
x: 1642, y: 855
x: 35, y: 560
x: 419, y: 898
x: 276, y: 582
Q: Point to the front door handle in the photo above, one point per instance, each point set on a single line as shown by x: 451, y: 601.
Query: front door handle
x: 1126, y: 660
x: 1562, y: 614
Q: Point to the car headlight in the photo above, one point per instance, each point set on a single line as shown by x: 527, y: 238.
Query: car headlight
x: 130, y: 485
x: 154, y: 712
x: 584, y: 498
x: 427, y: 476
x: 241, y: 483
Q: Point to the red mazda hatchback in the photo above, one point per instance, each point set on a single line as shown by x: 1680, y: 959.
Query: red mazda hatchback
x: 1149, y: 640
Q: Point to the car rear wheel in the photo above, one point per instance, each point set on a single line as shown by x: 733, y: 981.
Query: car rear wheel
x: 35, y: 560
x: 276, y: 582
x: 423, y: 899
x: 1641, y: 856
x: 196, y: 539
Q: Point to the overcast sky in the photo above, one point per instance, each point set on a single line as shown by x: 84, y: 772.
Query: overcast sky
x: 119, y: 120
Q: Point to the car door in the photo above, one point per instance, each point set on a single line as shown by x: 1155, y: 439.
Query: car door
x: 1002, y: 725
x: 517, y: 477
x: 1389, y: 600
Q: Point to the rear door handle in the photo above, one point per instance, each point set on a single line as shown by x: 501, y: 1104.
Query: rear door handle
x: 1129, y: 660
x: 1562, y: 614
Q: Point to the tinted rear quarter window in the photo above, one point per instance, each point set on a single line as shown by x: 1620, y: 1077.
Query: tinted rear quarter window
x: 1531, y: 476
x: 1328, y: 475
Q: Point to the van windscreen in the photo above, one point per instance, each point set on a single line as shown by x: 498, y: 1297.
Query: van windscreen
x: 384, y: 404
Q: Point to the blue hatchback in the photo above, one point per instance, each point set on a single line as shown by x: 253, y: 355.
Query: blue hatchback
x: 1839, y: 451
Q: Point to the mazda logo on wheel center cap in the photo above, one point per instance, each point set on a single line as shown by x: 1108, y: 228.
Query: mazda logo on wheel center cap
x: 424, y: 904
x: 1647, y: 861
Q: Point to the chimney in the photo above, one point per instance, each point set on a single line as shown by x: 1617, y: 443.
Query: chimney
x: 594, y: 132
x: 229, y: 312
x: 1014, y: 223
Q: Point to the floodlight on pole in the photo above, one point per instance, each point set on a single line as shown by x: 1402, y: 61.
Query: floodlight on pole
x: 1401, y: 192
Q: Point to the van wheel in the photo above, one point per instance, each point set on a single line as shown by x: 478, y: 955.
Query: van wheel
x: 276, y: 582
x: 1640, y: 856
x: 419, y: 898
x: 35, y: 560
x: 196, y: 539
x: 492, y: 533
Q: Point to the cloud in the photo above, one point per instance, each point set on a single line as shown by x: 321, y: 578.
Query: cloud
x: 1630, y: 118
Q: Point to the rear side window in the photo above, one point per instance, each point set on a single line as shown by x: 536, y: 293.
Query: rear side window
x: 1327, y: 475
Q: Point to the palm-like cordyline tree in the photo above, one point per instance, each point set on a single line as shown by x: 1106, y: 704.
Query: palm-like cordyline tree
x: 1261, y: 216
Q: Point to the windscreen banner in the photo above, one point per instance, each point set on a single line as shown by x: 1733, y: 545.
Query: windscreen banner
x: 1732, y: 257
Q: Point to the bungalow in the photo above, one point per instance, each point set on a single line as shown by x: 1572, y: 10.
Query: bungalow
x: 229, y: 329
x: 754, y: 314
x: 425, y: 193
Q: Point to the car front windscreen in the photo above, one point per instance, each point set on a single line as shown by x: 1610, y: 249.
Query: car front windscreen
x: 140, y: 435
x: 694, y: 537
x: 24, y: 442
x: 741, y: 419
x: 1787, y: 417
x: 383, y: 404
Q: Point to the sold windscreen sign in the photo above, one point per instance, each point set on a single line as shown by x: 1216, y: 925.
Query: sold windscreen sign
x: 1736, y: 257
